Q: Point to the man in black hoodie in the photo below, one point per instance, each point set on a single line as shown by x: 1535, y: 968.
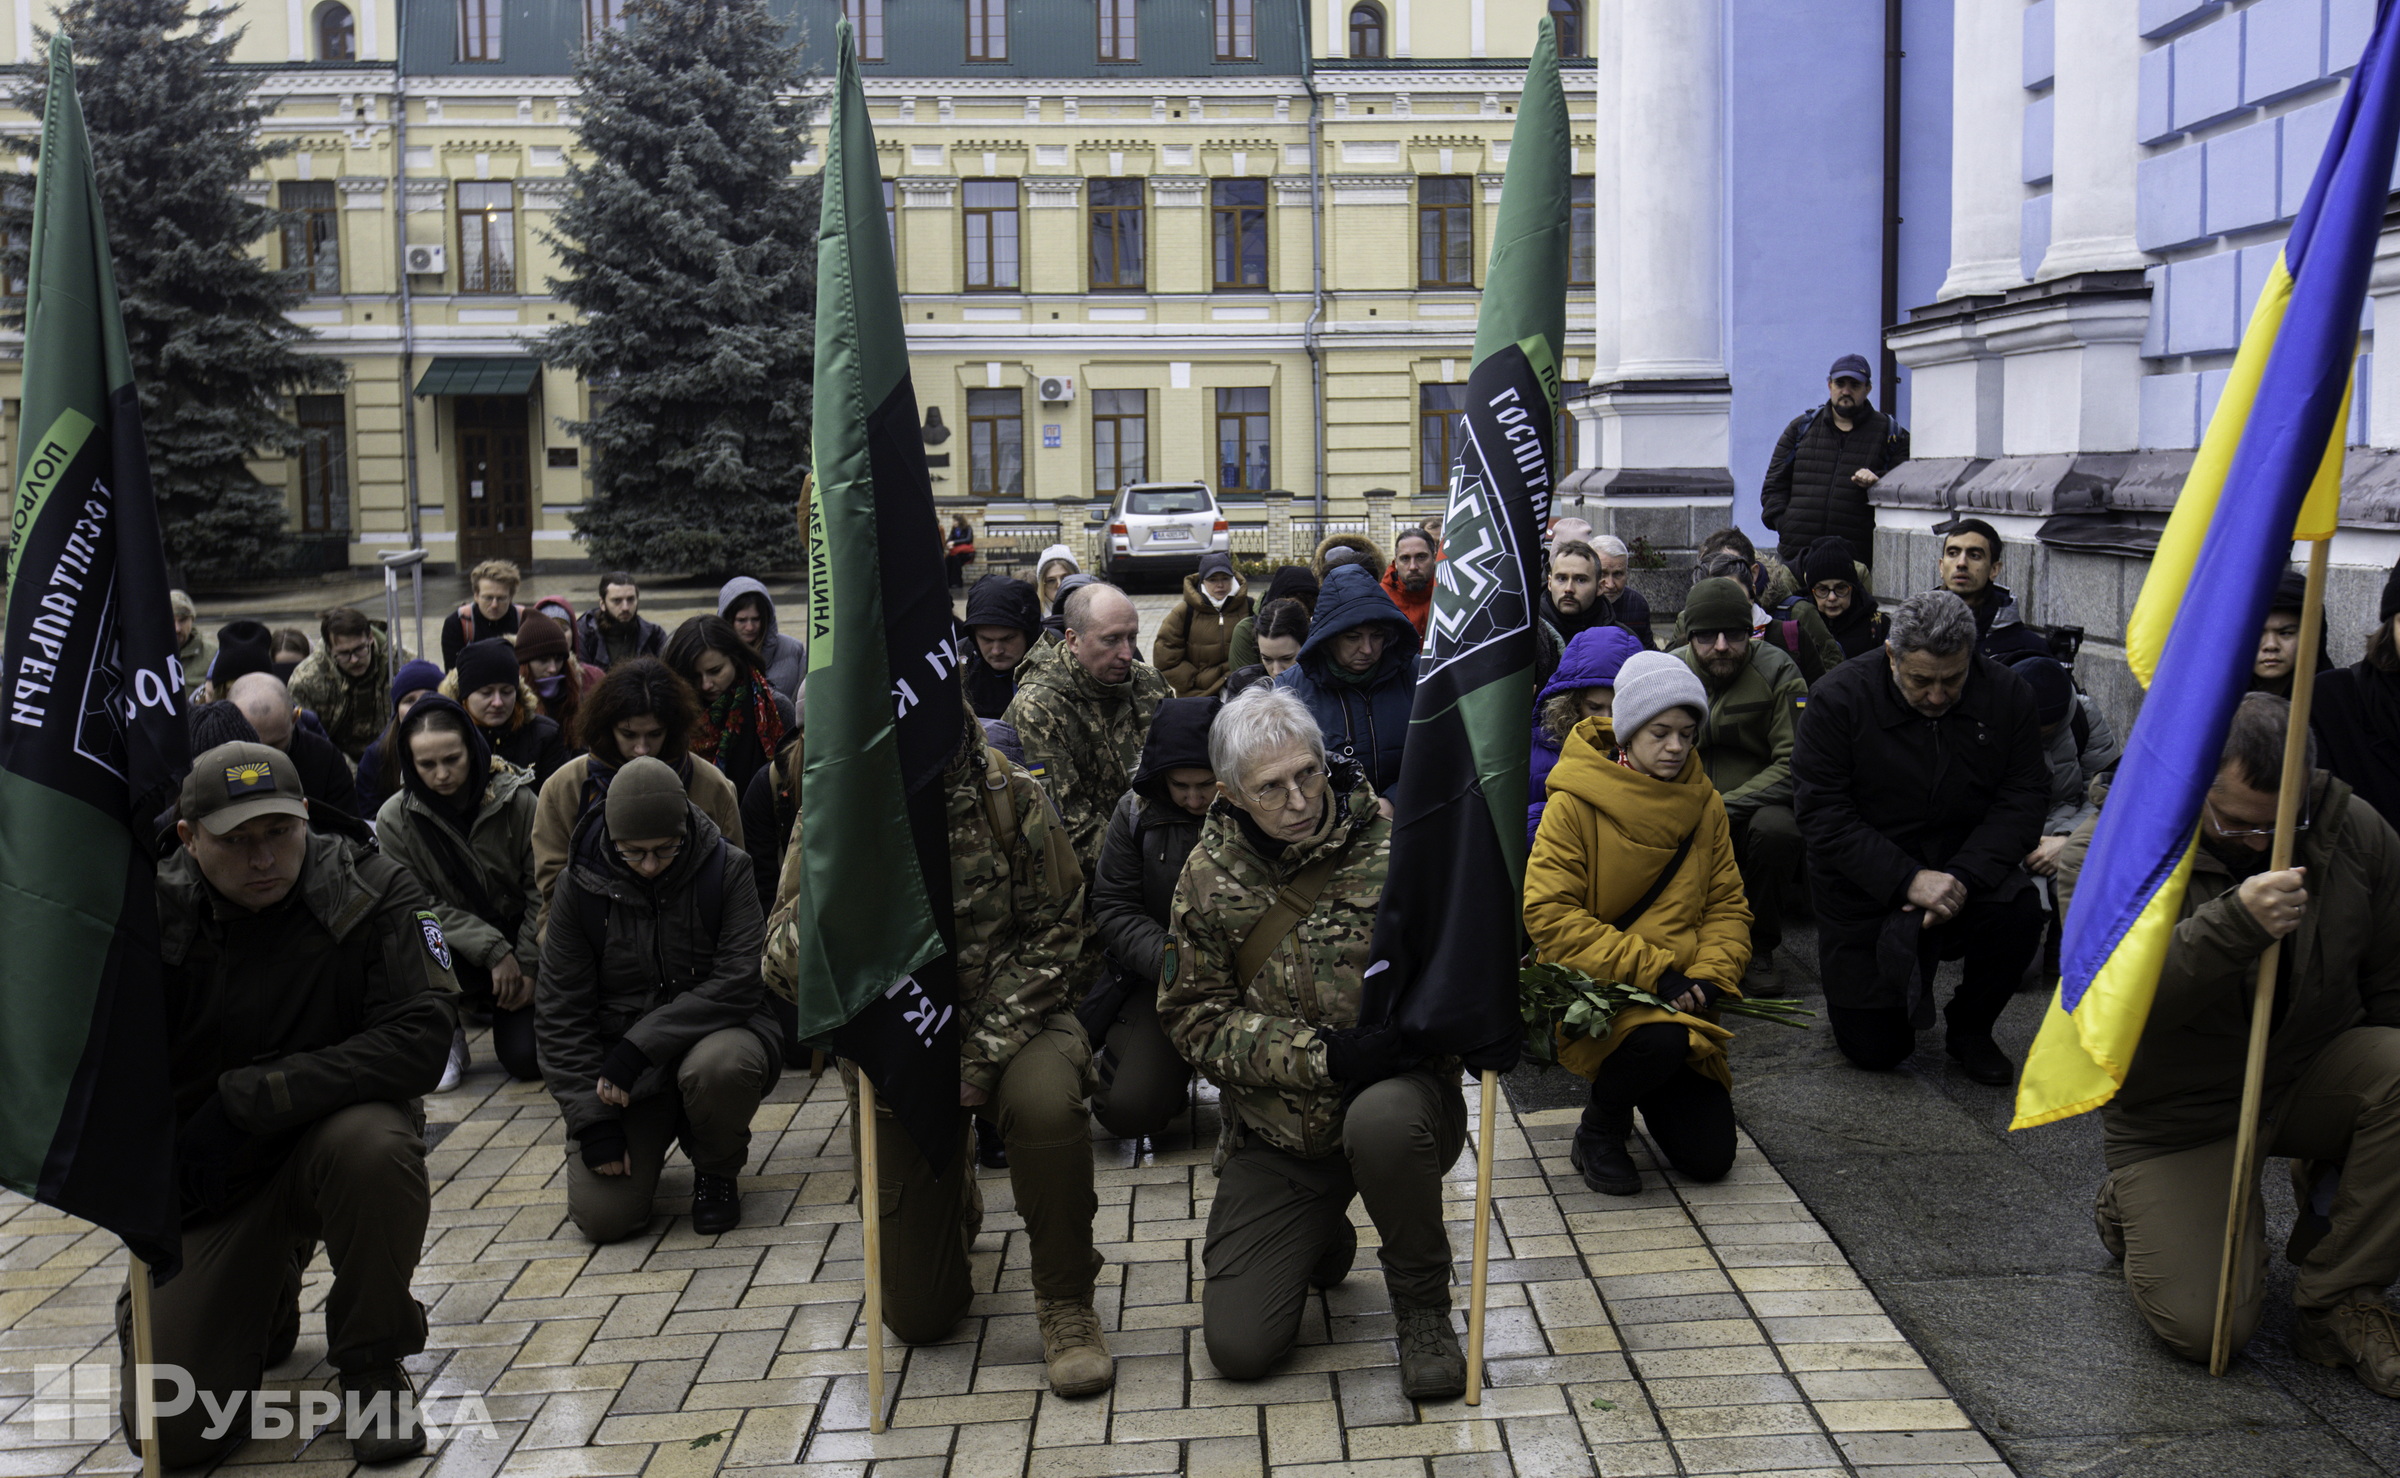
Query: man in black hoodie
x: 1153, y: 829
x: 1004, y: 620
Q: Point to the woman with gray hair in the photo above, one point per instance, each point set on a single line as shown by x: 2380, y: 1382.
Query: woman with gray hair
x: 1260, y: 989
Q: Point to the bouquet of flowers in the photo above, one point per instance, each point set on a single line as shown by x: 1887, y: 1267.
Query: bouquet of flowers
x: 1555, y: 996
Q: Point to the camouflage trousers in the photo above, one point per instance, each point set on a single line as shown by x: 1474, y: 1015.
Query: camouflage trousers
x: 930, y: 1222
x: 1277, y: 1217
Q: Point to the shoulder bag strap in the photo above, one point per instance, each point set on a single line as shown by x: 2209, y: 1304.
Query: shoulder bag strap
x: 1666, y: 875
x: 1294, y: 901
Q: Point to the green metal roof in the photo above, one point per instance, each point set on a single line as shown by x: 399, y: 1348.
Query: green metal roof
x: 498, y: 374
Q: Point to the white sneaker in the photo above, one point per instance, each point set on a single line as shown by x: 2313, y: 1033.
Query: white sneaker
x: 460, y: 1060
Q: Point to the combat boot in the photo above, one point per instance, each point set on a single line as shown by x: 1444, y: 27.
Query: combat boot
x: 2357, y: 1332
x: 1599, y: 1150
x: 380, y: 1405
x: 1432, y: 1367
x: 1073, y: 1347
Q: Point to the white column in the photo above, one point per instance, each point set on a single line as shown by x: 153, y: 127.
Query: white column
x: 2092, y: 173
x: 1670, y: 195
x: 1607, y: 200
x: 1987, y: 145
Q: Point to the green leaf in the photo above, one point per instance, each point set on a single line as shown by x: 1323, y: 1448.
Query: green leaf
x: 1600, y: 1405
x: 710, y: 1439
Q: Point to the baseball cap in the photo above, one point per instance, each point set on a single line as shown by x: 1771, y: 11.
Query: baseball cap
x: 237, y: 782
x: 1852, y: 366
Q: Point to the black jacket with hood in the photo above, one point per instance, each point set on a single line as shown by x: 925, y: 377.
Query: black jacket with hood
x: 998, y: 600
x: 786, y: 657
x: 1365, y: 721
x: 1148, y: 838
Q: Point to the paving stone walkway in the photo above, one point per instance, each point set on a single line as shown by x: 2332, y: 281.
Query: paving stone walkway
x: 1690, y: 1329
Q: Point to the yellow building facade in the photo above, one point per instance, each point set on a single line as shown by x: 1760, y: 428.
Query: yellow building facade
x: 1233, y: 253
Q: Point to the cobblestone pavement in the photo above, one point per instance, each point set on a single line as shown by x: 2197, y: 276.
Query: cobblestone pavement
x: 1689, y: 1329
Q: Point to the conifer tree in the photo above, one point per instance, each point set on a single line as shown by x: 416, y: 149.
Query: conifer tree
x: 690, y: 248
x: 175, y: 135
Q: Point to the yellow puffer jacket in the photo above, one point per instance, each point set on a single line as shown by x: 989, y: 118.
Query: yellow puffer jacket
x: 1605, y: 835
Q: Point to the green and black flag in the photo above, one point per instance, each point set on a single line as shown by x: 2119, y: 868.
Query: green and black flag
x: 93, y: 743
x: 886, y: 713
x: 1449, y: 933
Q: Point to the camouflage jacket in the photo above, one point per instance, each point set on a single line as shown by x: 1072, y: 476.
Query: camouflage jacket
x: 1018, y: 913
x: 1084, y: 740
x: 354, y: 710
x: 1257, y: 1040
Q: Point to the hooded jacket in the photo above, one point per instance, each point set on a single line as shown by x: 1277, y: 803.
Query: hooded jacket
x: 1149, y: 836
x: 1257, y: 1040
x: 998, y: 600
x: 581, y: 784
x: 480, y: 873
x: 1193, y: 650
x: 655, y: 974
x: 1591, y: 661
x: 1084, y: 740
x: 1416, y: 605
x: 2185, y: 1086
x: 528, y: 738
x: 1607, y: 834
x: 1808, y: 493
x: 340, y: 994
x: 1366, y: 720
x: 353, y: 709
x: 1360, y: 543
x: 786, y: 658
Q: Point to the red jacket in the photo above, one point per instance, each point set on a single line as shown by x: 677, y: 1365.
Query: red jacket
x: 1417, y: 608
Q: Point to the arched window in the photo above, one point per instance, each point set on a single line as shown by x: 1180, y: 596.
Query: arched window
x: 1567, y: 17
x: 1366, y: 32
x: 337, y: 33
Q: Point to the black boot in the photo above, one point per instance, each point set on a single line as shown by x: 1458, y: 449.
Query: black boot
x: 1599, y: 1151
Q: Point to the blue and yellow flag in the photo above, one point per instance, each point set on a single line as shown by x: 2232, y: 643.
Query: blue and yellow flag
x: 2268, y: 472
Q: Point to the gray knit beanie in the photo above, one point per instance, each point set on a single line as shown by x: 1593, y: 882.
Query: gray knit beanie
x: 645, y: 801
x: 1648, y: 685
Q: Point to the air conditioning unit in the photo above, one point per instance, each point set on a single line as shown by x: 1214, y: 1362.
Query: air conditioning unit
x: 427, y: 261
x: 1057, y: 389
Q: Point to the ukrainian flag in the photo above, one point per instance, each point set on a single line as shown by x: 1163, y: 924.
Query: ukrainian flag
x: 2268, y: 472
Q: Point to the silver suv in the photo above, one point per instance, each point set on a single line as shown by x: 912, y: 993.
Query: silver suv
x: 1163, y: 528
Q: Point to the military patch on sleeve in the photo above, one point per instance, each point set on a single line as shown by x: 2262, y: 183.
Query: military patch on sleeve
x: 435, y: 944
x: 1166, y: 964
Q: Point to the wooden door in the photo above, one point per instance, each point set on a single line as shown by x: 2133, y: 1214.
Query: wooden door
x: 495, y: 479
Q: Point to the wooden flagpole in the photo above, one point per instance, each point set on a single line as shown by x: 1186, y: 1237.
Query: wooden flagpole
x: 870, y: 1215
x: 2262, y: 1002
x: 145, y: 1394
x: 1483, y: 1239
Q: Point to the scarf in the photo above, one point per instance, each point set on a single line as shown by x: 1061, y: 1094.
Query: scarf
x: 744, y: 708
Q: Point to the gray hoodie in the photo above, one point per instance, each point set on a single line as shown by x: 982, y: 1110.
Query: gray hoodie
x: 786, y: 658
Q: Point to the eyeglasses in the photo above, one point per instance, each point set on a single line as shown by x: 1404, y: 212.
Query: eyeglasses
x: 636, y: 856
x: 2247, y: 833
x: 1286, y: 795
x: 1718, y: 638
x: 1830, y: 590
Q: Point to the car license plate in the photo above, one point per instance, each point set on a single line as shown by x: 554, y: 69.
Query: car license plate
x: 1171, y: 536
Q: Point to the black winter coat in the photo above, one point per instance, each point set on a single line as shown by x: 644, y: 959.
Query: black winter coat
x: 1142, y: 855
x: 2356, y: 714
x: 1883, y: 792
x: 591, y: 643
x: 1808, y: 493
x: 340, y: 994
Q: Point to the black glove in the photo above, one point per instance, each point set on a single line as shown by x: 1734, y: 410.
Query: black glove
x: 205, y: 1150
x: 623, y: 1063
x: 1674, y: 983
x: 603, y: 1143
x: 1362, y: 1054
